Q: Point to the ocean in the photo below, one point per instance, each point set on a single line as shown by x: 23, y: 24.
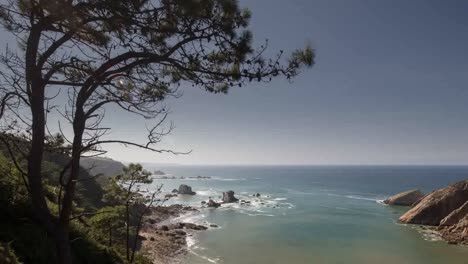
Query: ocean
x: 312, y: 214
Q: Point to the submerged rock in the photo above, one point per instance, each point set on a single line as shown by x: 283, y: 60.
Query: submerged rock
x: 407, y: 198
x: 434, y: 207
x: 244, y: 202
x: 170, y: 195
x: 228, y: 197
x: 185, y: 189
x: 194, y: 226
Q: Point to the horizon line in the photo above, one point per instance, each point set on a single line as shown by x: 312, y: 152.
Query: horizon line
x: 294, y: 164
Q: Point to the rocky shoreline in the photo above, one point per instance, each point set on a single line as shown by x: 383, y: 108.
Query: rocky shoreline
x: 162, y: 239
x: 444, y: 211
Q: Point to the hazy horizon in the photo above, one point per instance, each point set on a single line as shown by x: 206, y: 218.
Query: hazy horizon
x: 292, y: 164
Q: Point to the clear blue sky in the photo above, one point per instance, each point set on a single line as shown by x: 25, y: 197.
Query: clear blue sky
x: 390, y: 87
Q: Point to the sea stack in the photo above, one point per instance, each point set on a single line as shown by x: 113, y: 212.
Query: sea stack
x: 228, y: 197
x: 185, y: 189
x: 407, y: 198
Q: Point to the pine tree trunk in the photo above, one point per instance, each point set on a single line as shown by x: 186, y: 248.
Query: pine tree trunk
x: 63, y: 247
x: 110, y: 234
x: 127, y: 240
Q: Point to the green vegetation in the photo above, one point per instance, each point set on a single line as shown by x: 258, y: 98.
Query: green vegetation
x: 7, y: 255
x: 97, y: 238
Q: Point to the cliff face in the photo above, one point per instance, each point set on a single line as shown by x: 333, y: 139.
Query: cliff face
x: 437, y: 205
x: 446, y: 208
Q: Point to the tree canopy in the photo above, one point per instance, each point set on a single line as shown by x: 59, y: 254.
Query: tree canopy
x: 130, y: 53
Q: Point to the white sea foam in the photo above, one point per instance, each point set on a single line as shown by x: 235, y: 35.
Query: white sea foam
x: 210, y: 260
x: 193, y: 248
x: 427, y: 233
x: 232, y: 179
x: 209, y: 192
x: 381, y: 202
x: 289, y: 205
x: 431, y: 236
x: 280, y: 199
x: 191, y: 242
x: 259, y: 206
x: 191, y: 217
x: 297, y: 192
x: 254, y: 214
x: 355, y: 197
x: 360, y: 198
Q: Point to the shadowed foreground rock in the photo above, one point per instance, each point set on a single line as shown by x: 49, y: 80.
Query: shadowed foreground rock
x: 446, y: 208
x: 456, y: 216
x: 407, y: 198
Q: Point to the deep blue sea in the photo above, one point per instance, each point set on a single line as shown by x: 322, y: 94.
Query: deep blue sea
x: 312, y: 214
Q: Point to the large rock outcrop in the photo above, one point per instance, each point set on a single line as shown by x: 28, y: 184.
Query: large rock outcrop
x: 228, y: 197
x: 446, y: 208
x: 407, y: 198
x: 437, y: 205
x: 185, y: 189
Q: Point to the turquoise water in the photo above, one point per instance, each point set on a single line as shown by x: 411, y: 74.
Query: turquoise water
x: 313, y: 215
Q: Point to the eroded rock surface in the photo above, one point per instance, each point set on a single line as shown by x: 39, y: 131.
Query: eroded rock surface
x: 407, y: 198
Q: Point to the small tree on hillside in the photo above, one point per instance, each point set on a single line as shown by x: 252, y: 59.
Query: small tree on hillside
x: 129, y: 53
x: 107, y: 224
x: 126, y: 190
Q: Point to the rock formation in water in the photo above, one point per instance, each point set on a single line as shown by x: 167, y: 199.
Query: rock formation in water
x: 159, y: 172
x: 446, y: 208
x: 185, y: 189
x: 228, y: 197
x: 407, y: 198
x: 213, y: 204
